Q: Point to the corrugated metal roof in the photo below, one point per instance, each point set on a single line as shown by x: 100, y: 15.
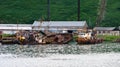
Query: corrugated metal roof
x: 14, y: 25
x: 104, y: 28
x: 59, y: 23
x: 55, y: 29
x: 15, y: 28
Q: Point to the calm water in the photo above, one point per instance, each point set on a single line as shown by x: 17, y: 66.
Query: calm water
x: 98, y: 55
x: 39, y: 50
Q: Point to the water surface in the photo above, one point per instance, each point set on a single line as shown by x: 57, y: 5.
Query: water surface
x: 52, y: 55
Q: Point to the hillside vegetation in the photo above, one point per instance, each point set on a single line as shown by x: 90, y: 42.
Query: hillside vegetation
x: 26, y: 11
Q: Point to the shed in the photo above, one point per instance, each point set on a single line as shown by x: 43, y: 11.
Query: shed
x: 106, y: 30
x: 12, y: 28
x: 59, y: 25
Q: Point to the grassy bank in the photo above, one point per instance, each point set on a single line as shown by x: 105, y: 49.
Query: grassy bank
x: 7, y: 35
x: 108, y: 38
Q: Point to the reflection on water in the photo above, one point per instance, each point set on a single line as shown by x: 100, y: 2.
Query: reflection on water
x: 42, y: 50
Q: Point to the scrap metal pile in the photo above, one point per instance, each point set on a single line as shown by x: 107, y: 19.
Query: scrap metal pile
x: 40, y: 37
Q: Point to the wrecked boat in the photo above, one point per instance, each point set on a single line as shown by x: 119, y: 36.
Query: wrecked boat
x: 43, y: 38
x: 89, y: 41
x: 31, y: 38
x: 58, y: 38
x: 88, y: 38
x: 8, y: 40
x: 117, y: 40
